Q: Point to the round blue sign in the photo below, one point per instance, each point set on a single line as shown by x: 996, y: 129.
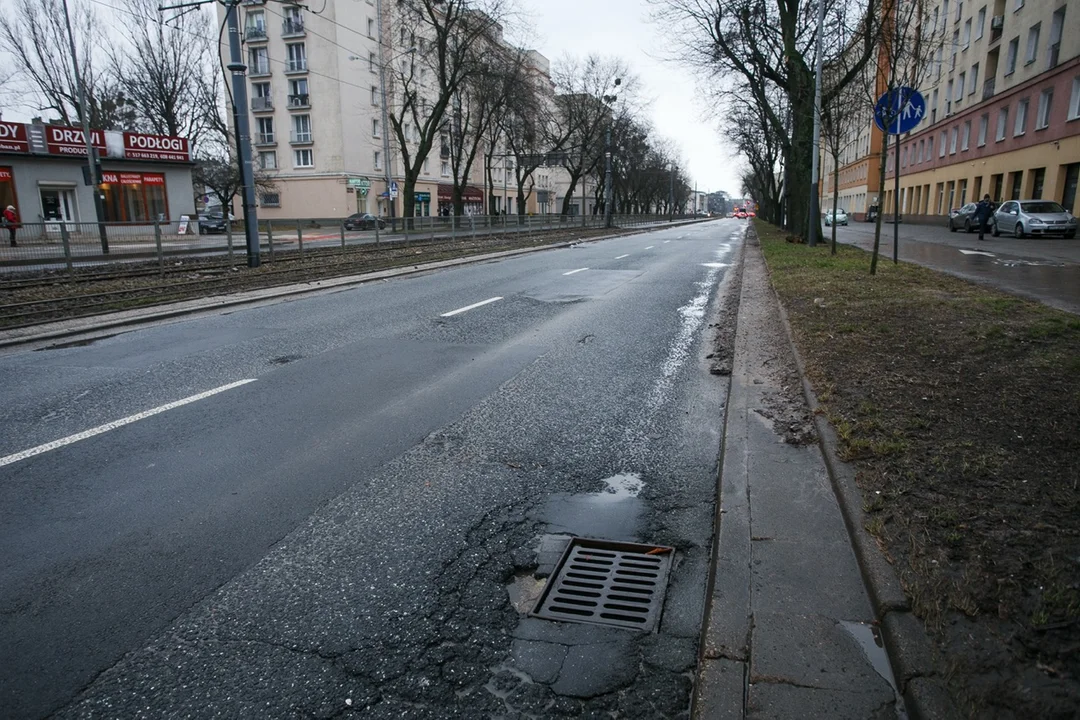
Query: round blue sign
x: 899, y: 111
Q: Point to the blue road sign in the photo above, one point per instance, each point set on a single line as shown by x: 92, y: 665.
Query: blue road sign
x: 900, y: 109
x: 393, y: 189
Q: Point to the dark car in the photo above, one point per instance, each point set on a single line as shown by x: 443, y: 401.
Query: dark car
x: 363, y: 221
x: 964, y: 217
x: 211, y: 224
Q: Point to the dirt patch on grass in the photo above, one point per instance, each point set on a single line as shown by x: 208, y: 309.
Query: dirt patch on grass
x: 960, y: 407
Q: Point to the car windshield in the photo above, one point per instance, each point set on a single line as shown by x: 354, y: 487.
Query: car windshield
x: 1042, y: 207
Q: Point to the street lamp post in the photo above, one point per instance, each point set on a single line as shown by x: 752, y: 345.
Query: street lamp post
x: 609, y: 188
x: 385, y: 113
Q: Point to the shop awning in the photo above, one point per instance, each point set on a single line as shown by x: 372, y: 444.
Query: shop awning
x: 471, y: 194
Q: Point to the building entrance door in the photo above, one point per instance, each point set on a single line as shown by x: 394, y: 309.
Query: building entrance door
x: 57, y: 204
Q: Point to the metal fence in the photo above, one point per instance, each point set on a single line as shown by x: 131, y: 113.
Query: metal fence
x: 67, y: 245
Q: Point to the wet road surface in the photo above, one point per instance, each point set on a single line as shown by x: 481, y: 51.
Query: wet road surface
x: 343, y: 530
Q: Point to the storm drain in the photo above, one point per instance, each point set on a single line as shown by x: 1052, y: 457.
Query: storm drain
x: 607, y: 583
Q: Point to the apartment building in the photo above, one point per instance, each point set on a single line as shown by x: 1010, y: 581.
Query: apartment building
x: 1003, y: 110
x: 318, y: 128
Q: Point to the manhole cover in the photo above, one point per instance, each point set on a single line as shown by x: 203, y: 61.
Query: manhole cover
x: 607, y: 583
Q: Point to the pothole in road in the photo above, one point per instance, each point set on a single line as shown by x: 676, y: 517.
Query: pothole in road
x: 524, y: 590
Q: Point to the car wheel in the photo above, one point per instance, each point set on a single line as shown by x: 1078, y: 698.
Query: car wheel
x: 1070, y: 235
x: 967, y: 226
x: 994, y: 229
x: 1019, y: 232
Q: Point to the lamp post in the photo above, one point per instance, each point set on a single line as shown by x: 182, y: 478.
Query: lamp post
x: 609, y: 189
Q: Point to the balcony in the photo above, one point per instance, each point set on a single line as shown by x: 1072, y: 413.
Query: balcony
x: 297, y: 65
x: 262, y: 104
x: 302, y: 100
x: 254, y: 2
x: 997, y: 28
x: 292, y: 27
x: 259, y: 69
x: 988, y: 89
x: 300, y: 138
x: 255, y: 34
x: 265, y: 139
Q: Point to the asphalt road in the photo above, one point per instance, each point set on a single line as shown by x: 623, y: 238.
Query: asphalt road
x: 339, y: 532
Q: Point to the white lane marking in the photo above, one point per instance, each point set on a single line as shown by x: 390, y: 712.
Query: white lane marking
x: 667, y: 241
x: 978, y: 252
x: 55, y: 444
x: 620, y: 257
x: 650, y: 247
x: 575, y: 271
x: 471, y: 307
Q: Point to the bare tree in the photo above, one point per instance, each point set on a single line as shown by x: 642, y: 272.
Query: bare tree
x: 165, y: 68
x: 840, y: 119
x: 445, y: 37
x: 36, y: 35
x: 756, y: 139
x: 221, y: 174
x: 770, y: 44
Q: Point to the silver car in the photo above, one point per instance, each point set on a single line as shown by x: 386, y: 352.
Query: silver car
x: 1034, y: 218
x: 963, y: 218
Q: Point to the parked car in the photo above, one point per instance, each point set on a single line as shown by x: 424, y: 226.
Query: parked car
x: 963, y: 217
x: 840, y: 219
x: 211, y: 224
x: 363, y: 221
x: 1036, y: 218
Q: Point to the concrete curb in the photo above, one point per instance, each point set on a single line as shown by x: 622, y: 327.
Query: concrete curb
x: 81, y: 326
x: 910, y: 651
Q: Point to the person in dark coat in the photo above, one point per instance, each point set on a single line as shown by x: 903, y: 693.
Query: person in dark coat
x: 11, y: 222
x: 983, y: 211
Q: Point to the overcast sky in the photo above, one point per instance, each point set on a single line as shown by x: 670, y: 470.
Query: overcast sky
x: 622, y: 28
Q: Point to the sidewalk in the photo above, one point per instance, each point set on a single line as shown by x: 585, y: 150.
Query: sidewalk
x: 790, y: 631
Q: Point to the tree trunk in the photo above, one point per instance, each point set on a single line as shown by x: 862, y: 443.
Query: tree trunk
x: 835, y: 198
x: 880, y: 204
x: 568, y: 199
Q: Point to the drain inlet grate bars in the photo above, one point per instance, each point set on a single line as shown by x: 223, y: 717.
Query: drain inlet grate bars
x: 608, y: 583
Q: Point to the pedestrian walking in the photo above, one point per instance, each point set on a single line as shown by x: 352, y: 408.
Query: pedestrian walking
x: 983, y: 211
x: 11, y: 222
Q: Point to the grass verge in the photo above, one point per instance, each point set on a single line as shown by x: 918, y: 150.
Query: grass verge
x: 960, y: 407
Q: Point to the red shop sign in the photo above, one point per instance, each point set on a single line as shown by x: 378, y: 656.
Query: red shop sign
x: 5, y: 174
x: 110, y: 178
x: 130, y: 179
x: 138, y: 146
x: 13, y: 138
x: 153, y: 179
x: 63, y: 140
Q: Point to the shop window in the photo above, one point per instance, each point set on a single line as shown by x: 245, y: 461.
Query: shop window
x: 7, y: 190
x: 135, y: 197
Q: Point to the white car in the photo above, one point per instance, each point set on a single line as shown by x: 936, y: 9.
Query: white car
x: 841, y: 218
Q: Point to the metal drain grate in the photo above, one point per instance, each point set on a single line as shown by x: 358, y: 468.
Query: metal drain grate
x: 607, y: 583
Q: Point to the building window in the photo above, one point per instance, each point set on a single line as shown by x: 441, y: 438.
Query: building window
x: 1032, y: 44
x: 980, y: 23
x: 1021, y: 117
x: 134, y: 197
x: 984, y: 122
x: 445, y: 168
x: 266, y: 130
x: 965, y: 135
x: 258, y: 61
x: 920, y: 151
x: 301, y: 129
x: 375, y: 128
x: 933, y: 106
x: 378, y: 160
x: 955, y: 48
x: 929, y: 148
x: 427, y: 167
x: 1019, y: 4
x: 298, y: 93
x: 949, y: 98
x: 375, y: 95
x: 372, y: 62
x: 1046, y: 100
x: 1037, y: 183
x: 1054, y: 50
x: 1010, y: 57
x: 942, y: 148
x: 954, y: 135
x: 1003, y: 120
x: 371, y: 28
x: 268, y: 160
x: 903, y: 158
x: 1074, y: 99
x: 973, y: 79
x: 937, y: 62
x: 270, y: 200
x: 294, y: 20
x: 965, y: 39
x: 960, y: 82
x: 297, y: 57
x: 303, y: 158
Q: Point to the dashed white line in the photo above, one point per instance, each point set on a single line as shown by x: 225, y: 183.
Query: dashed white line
x: 471, y: 307
x: 667, y: 241
x: 650, y: 247
x: 575, y: 271
x: 55, y: 444
x: 620, y: 257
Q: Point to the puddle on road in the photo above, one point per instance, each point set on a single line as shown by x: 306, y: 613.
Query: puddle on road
x: 614, y: 513
x: 869, y: 639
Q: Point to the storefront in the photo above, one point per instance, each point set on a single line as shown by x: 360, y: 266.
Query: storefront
x: 43, y: 173
x: 473, y: 197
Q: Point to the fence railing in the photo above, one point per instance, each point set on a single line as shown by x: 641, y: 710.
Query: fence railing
x: 65, y: 246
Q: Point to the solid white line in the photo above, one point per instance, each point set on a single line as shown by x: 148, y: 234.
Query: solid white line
x: 620, y: 257
x: 55, y: 444
x: 650, y: 247
x: 575, y: 271
x: 470, y: 307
